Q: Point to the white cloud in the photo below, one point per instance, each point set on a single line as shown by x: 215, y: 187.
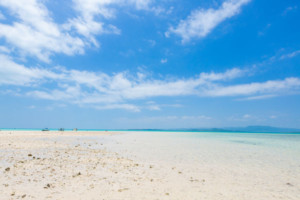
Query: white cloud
x: 243, y: 118
x: 199, y: 117
x: 116, y: 91
x: 247, y: 116
x: 4, y: 49
x: 259, y: 97
x: 87, y: 24
x: 151, y: 105
x: 141, y: 4
x: 12, y: 73
x: 152, y: 43
x: 69, y: 94
x: 164, y: 61
x: 290, y: 55
x: 201, y: 22
x: 32, y: 13
x: 268, y: 87
x: 265, y: 29
x: 129, y: 107
x: 2, y: 17
x: 38, y: 44
x: 288, y: 9
x: 34, y: 33
x: 147, y: 5
x: 227, y: 75
x: 32, y: 107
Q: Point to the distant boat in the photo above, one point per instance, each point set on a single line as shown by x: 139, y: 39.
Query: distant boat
x: 45, y: 129
x: 75, y: 129
x: 61, y: 129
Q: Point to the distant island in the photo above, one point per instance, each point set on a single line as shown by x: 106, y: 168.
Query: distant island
x: 252, y: 129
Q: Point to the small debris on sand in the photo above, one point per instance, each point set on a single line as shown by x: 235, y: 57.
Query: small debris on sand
x: 289, y: 184
x: 121, y: 190
x: 78, y: 174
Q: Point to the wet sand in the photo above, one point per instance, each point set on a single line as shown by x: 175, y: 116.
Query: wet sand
x: 100, y: 165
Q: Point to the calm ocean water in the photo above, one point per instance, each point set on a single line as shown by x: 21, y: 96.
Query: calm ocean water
x: 152, y: 130
x: 192, y: 146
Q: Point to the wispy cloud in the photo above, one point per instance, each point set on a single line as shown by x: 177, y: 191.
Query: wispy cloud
x: 259, y: 97
x: 269, y: 87
x: 244, y: 118
x: 1, y: 16
x: 199, y: 117
x: 129, y: 107
x: 290, y: 55
x: 117, y: 91
x: 17, y: 74
x: 152, y: 42
x: 265, y: 29
x: 288, y: 9
x: 247, y: 116
x: 87, y: 22
x: 35, y: 33
x: 151, y: 105
x: 4, y: 49
x: 164, y: 61
x: 201, y: 22
x: 32, y: 107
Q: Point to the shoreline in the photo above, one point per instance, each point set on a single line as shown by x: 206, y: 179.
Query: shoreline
x: 94, y: 165
x: 147, y: 131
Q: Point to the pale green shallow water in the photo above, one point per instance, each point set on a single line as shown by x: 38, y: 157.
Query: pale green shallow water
x: 195, y: 147
x: 212, y: 147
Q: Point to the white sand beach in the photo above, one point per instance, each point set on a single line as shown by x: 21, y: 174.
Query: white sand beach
x: 147, y: 165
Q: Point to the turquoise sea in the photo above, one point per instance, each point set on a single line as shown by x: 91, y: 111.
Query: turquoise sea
x: 151, y: 130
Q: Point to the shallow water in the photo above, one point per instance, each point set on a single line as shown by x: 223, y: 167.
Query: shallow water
x: 280, y: 151
x: 234, y: 151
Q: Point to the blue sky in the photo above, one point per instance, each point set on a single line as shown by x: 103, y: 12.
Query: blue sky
x: 149, y: 64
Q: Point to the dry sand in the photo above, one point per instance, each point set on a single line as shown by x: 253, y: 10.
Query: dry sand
x: 72, y: 165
